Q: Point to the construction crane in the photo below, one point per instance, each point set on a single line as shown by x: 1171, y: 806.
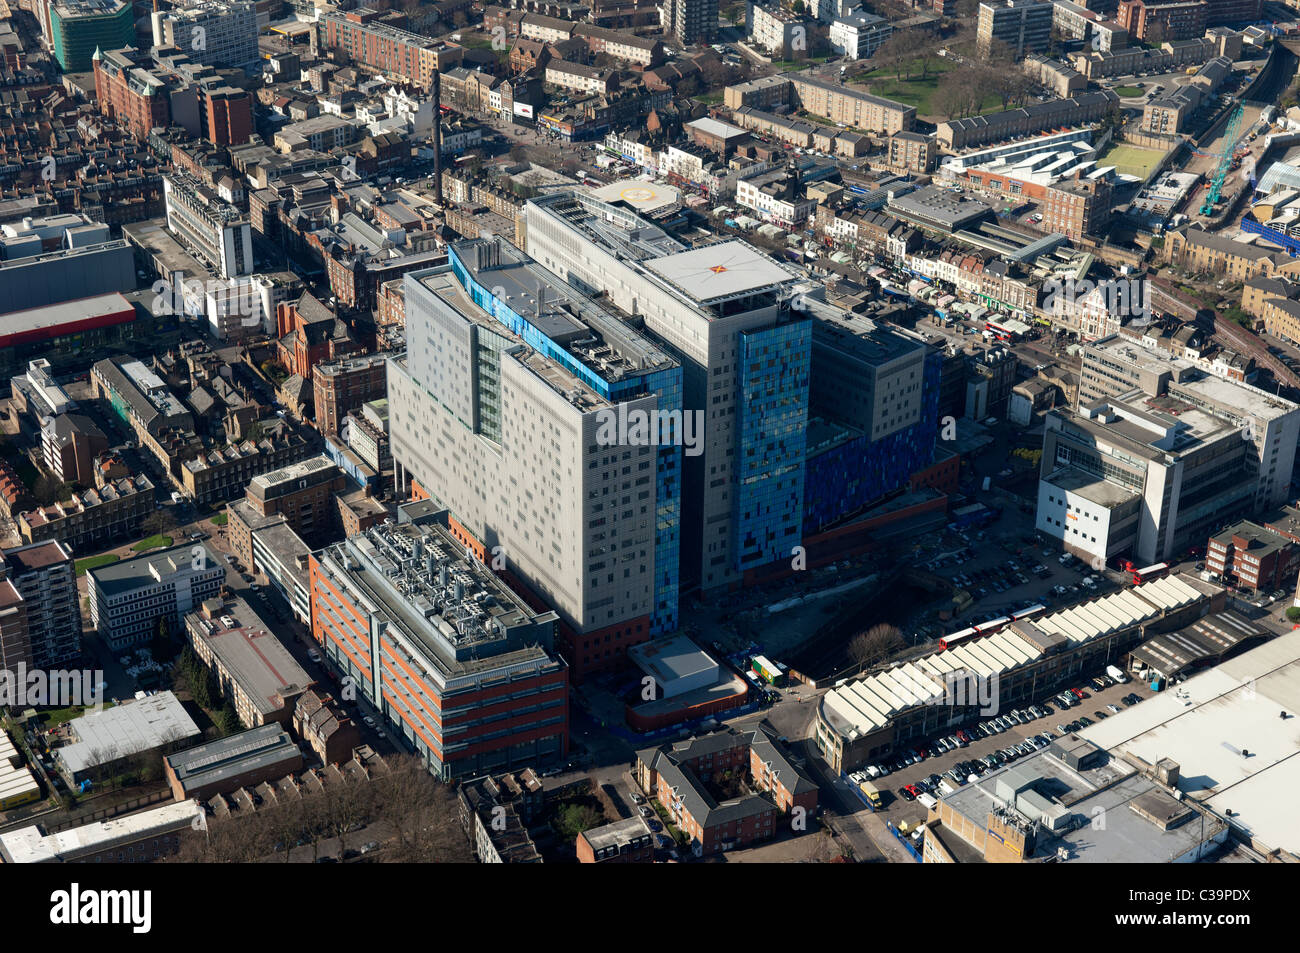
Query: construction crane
x: 1225, y: 161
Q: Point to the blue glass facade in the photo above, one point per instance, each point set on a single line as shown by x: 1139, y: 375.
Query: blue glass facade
x: 666, y: 383
x: 858, y: 472
x: 771, y: 432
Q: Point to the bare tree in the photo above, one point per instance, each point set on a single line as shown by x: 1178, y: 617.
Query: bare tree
x: 875, y: 644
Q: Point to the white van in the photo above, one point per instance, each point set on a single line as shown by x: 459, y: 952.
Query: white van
x: 927, y: 801
x: 946, y: 787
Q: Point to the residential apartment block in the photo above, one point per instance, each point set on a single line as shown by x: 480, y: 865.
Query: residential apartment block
x: 833, y: 101
x: 858, y: 34
x: 1163, y: 22
x: 115, y: 510
x: 40, y: 620
x: 1253, y: 556
x: 1021, y: 26
x: 690, y: 779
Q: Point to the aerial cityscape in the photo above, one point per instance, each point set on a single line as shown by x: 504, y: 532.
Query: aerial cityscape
x: 649, y: 431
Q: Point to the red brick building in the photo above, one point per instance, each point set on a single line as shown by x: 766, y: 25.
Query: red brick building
x: 1157, y: 22
x: 623, y: 842
x: 458, y: 664
x: 309, y: 334
x: 135, y: 97
x: 1256, y: 557
x: 697, y: 781
x: 229, y: 116
x: 339, y: 387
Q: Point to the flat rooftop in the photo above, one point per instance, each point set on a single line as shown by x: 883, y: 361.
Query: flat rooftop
x: 1151, y: 360
x: 671, y: 659
x: 617, y: 230
x: 314, y: 469
x: 29, y: 846
x: 724, y: 270
x: 646, y: 198
x: 255, y: 659
x: 579, y: 392
x: 939, y: 207
x: 1113, y: 790
x: 1090, y: 487
x: 616, y: 834
x: 1233, y: 732
x: 592, y: 333
x: 130, y: 574
x: 449, y: 609
x: 123, y: 730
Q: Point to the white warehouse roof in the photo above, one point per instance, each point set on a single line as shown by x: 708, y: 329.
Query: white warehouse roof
x: 870, y: 703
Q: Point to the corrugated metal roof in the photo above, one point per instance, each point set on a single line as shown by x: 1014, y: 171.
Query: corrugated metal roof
x: 870, y: 703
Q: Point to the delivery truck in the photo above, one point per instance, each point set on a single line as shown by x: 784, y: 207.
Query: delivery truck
x: 873, y: 796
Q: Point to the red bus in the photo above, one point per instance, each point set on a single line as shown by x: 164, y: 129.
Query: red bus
x: 1148, y: 573
x: 957, y: 638
x: 1027, y: 613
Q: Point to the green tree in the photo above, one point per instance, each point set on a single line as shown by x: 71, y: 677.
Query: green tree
x: 1293, y: 613
x: 227, y: 720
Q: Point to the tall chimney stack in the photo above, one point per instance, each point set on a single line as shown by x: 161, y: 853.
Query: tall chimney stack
x: 437, y: 137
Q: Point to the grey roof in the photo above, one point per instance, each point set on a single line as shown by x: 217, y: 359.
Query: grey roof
x: 234, y: 755
x: 146, y: 570
x: 250, y: 655
x: 124, y: 730
x: 703, y: 807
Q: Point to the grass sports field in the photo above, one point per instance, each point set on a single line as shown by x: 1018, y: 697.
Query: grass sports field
x: 1131, y: 160
x: 914, y: 91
